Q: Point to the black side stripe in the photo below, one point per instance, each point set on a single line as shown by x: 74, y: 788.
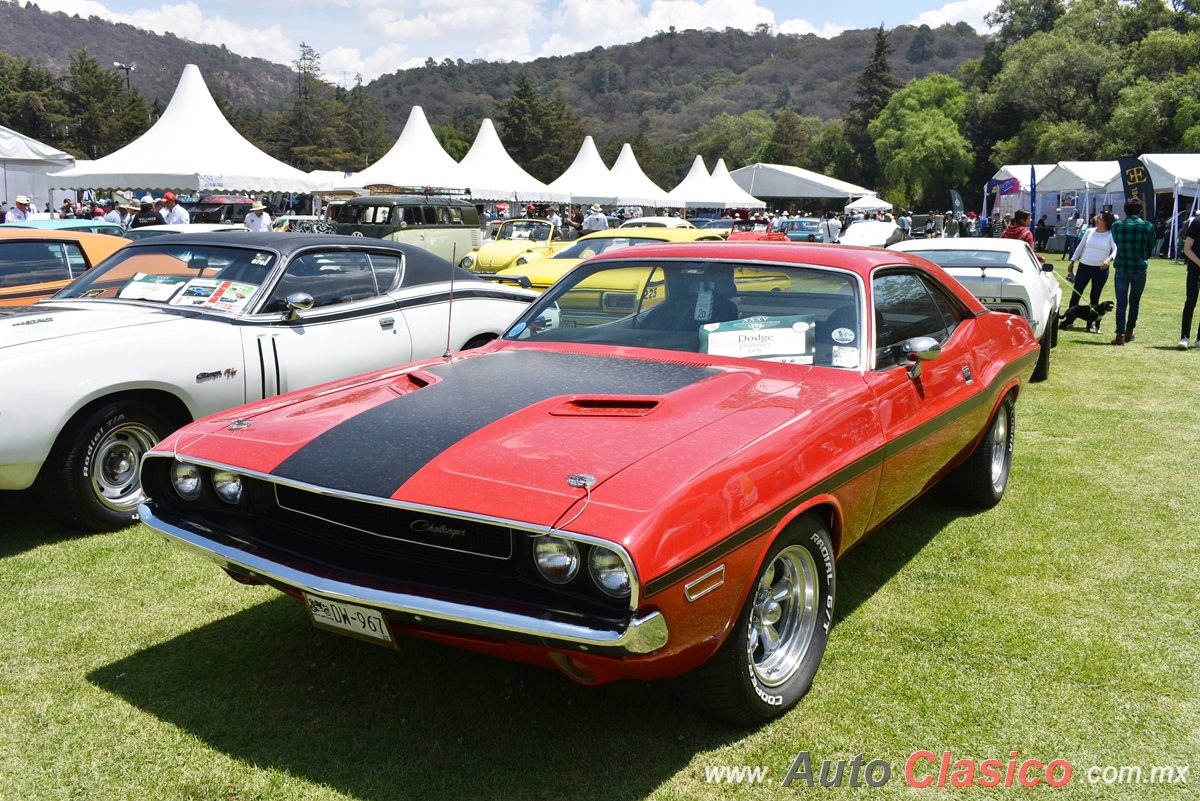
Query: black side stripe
x: 366, y: 311
x: 768, y: 522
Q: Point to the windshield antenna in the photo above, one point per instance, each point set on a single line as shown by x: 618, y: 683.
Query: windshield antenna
x: 450, y: 306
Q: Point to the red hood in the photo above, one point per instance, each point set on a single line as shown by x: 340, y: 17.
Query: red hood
x: 495, y: 433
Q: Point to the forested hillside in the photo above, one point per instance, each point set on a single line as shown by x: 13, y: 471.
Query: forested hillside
x: 50, y: 38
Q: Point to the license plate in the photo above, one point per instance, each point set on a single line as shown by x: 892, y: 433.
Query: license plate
x: 344, y: 618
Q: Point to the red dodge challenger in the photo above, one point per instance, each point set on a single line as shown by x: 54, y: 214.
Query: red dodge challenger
x: 652, y: 474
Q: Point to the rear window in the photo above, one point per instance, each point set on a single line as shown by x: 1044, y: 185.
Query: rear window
x: 37, y: 262
x: 966, y: 258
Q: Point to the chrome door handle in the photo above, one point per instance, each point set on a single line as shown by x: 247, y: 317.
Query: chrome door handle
x: 387, y: 322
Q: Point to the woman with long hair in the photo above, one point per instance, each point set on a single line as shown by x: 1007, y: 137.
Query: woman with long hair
x: 1095, y: 255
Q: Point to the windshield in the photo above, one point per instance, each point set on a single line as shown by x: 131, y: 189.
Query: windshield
x: 799, y: 315
x: 800, y: 225
x: 537, y: 230
x: 750, y: 226
x: 586, y: 248
x: 204, y: 276
x: 970, y: 258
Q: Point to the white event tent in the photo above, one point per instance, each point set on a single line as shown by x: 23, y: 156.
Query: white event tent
x: 192, y: 148
x: 785, y: 181
x: 1177, y: 173
x: 1019, y: 200
x: 25, y: 164
x: 697, y: 189
x: 493, y: 175
x: 735, y: 196
x: 417, y: 159
x: 634, y: 187
x: 869, y: 204
x: 587, y: 180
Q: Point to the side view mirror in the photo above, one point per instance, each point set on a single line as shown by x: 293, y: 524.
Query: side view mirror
x: 298, y: 302
x: 1047, y: 267
x: 919, y: 350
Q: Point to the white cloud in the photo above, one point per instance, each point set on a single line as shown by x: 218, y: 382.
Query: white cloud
x: 968, y: 11
x: 804, y: 27
x: 187, y: 21
x: 580, y: 25
x: 341, y: 64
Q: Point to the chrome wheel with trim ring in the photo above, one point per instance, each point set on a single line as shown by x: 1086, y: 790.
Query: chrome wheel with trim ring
x: 783, y: 616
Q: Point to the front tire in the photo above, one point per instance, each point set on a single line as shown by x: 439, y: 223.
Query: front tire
x: 769, y: 659
x: 90, y: 479
x: 980, y: 481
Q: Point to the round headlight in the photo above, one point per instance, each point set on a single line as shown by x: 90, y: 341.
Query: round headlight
x: 228, y: 485
x: 609, y: 572
x: 522, y: 261
x: 557, y: 559
x: 186, y: 478
x: 467, y: 262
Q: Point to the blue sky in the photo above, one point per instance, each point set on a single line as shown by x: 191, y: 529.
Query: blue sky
x: 373, y: 37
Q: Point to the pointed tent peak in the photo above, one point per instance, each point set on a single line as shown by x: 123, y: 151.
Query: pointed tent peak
x: 588, y: 155
x: 735, y: 196
x: 720, y: 170
x: 487, y: 144
x: 627, y: 155
x: 192, y: 102
x: 494, y: 175
x: 634, y: 188
x: 417, y: 159
x: 587, y: 179
x: 698, y: 166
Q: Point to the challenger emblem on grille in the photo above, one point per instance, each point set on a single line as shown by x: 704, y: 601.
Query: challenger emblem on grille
x: 435, y: 528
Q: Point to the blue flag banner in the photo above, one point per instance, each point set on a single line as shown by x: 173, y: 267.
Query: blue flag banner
x: 1009, y: 186
x: 1136, y: 179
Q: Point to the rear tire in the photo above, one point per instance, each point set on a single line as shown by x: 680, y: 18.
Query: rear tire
x: 769, y: 659
x: 478, y: 342
x: 1042, y: 371
x: 90, y: 480
x: 980, y: 481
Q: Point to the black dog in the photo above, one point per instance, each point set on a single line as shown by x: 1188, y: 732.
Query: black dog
x: 1091, y: 316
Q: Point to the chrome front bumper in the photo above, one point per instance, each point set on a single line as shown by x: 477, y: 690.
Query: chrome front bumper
x: 640, y: 636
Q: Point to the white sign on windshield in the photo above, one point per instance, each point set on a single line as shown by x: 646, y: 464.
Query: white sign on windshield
x: 788, y: 339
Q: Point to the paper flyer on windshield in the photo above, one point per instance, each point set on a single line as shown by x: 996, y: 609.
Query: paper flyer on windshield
x: 788, y: 339
x: 152, y: 287
x: 213, y: 293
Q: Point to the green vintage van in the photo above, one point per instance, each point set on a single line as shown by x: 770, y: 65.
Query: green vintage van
x: 446, y: 226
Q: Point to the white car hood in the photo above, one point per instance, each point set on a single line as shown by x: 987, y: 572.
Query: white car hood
x: 21, y: 325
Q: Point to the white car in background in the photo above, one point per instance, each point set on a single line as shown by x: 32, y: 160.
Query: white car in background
x: 1004, y: 274
x: 657, y: 222
x: 174, y: 328
x: 150, y: 231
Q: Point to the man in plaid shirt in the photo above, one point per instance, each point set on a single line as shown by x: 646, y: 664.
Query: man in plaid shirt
x: 1135, y: 239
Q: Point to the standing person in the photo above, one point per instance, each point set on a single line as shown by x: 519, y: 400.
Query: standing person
x: 1191, y: 255
x: 111, y: 213
x: 964, y: 226
x: 1072, y: 235
x: 67, y: 212
x: 1020, y: 228
x: 575, y: 223
x: 595, y: 220
x: 831, y: 229
x: 146, y: 214
x: 19, y: 212
x: 176, y: 214
x: 905, y: 223
x: 1095, y: 255
x: 1135, y: 239
x: 258, y: 219
x: 555, y: 220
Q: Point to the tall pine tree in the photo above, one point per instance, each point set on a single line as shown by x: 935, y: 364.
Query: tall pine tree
x: 873, y: 88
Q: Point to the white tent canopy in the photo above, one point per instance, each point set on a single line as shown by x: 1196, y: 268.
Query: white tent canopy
x: 192, y: 147
x: 26, y: 164
x: 1080, y: 176
x: 785, y: 181
x: 1022, y: 173
x: 492, y: 174
x: 417, y: 159
x: 634, y: 188
x: 1166, y: 169
x: 696, y: 189
x: 868, y: 204
x: 735, y: 196
x: 587, y: 180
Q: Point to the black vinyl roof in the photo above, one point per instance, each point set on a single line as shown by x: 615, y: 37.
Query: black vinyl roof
x: 420, y: 266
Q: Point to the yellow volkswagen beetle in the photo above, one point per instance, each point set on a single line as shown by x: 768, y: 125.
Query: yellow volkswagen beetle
x: 516, y: 238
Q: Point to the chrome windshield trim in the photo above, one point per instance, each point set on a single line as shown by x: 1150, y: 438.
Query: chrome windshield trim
x: 640, y: 636
x: 517, y: 525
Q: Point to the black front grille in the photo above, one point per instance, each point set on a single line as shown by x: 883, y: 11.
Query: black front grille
x: 400, y: 525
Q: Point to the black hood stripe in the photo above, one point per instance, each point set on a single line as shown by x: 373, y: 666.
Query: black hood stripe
x: 375, y: 452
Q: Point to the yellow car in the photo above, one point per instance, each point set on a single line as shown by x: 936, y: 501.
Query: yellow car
x: 515, y: 238
x: 542, y: 269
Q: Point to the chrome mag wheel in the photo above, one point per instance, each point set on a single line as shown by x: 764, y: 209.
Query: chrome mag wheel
x: 783, y: 617
x: 1000, y: 449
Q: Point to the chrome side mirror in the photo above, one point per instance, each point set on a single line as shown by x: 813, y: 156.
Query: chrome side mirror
x: 298, y: 302
x: 918, y: 350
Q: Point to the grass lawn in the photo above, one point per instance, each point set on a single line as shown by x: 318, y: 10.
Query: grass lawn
x: 1062, y: 624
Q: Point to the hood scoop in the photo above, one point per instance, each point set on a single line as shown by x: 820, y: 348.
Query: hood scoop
x: 606, y: 406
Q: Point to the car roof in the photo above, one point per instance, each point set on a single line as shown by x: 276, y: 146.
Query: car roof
x: 15, y: 232
x: 961, y: 243
x: 684, y: 234
x: 425, y: 266
x: 64, y: 225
